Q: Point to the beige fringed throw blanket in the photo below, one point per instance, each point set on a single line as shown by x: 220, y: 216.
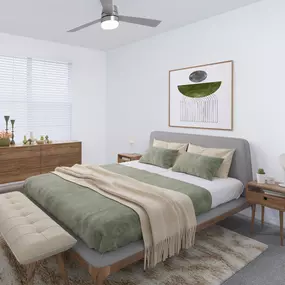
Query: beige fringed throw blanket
x: 167, y: 217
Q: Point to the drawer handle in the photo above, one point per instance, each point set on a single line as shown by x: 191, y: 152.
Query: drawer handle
x: 265, y: 198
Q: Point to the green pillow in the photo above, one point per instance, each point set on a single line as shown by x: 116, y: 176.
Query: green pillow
x: 161, y: 157
x: 198, y: 165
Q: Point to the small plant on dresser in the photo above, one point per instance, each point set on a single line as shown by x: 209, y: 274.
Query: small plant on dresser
x: 260, y: 176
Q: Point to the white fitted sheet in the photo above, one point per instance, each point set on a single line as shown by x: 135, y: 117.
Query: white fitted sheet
x: 222, y: 190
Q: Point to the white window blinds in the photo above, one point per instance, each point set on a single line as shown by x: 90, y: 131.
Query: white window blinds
x: 36, y: 93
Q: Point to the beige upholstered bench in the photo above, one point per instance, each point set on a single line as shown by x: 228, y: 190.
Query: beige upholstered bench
x: 31, y: 234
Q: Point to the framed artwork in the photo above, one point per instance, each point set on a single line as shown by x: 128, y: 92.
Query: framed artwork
x: 202, y: 96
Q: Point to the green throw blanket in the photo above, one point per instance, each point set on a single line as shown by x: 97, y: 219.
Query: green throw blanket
x: 102, y: 223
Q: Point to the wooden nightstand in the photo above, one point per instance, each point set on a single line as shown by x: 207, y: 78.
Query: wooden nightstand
x: 124, y: 157
x: 266, y: 195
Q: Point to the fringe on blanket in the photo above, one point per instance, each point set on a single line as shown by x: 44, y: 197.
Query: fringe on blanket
x: 169, y: 247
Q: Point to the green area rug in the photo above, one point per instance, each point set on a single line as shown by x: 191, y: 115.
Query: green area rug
x: 217, y: 255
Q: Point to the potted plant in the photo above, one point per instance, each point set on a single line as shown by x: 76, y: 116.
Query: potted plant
x: 5, y: 138
x: 260, y: 176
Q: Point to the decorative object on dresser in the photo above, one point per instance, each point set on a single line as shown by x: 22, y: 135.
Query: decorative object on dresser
x: 31, y: 139
x: 13, y: 132
x: 206, y: 102
x: 5, y: 138
x: 44, y: 140
x: 41, y: 141
x: 9, y: 135
x: 47, y: 140
x: 124, y: 157
x: 260, y: 175
x: 21, y: 162
x: 7, y: 121
x: 25, y: 140
x: 266, y: 195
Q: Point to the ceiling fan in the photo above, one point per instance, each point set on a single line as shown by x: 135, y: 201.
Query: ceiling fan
x: 110, y: 19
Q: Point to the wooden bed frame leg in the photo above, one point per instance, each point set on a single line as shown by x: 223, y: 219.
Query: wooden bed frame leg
x: 63, y: 273
x: 99, y: 274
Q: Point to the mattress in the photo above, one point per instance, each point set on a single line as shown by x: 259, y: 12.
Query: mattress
x: 222, y: 190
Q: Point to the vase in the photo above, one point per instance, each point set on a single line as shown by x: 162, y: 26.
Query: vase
x: 4, y: 142
x: 13, y: 133
x: 6, y: 120
x: 260, y: 178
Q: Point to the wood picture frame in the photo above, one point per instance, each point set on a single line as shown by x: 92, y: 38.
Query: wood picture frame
x: 216, y: 84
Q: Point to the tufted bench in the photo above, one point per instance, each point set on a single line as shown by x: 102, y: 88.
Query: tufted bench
x: 31, y: 234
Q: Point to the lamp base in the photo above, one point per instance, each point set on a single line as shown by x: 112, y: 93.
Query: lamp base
x: 282, y: 185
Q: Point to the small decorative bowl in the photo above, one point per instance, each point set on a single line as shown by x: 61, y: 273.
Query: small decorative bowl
x: 40, y: 142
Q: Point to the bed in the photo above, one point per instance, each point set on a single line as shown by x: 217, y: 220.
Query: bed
x: 227, y: 200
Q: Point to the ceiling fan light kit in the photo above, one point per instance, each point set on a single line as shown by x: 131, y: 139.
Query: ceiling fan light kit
x: 110, y: 19
x: 110, y: 22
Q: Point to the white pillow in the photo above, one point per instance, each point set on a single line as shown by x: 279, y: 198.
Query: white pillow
x: 226, y: 154
x: 170, y: 145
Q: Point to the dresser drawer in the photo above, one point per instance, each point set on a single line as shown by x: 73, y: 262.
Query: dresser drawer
x: 20, y: 162
x: 266, y: 200
x: 60, y: 149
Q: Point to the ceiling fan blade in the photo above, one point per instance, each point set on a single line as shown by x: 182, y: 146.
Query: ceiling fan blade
x: 107, y: 6
x: 84, y: 26
x: 140, y: 21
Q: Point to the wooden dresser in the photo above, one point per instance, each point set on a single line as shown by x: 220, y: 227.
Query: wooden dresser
x: 20, y: 162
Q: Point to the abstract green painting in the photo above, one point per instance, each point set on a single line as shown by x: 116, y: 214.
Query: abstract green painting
x: 199, y: 90
x: 201, y: 96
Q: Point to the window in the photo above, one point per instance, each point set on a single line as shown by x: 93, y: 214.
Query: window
x: 36, y: 93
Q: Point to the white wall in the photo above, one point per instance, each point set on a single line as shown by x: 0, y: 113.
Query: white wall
x: 88, y: 87
x: 253, y: 36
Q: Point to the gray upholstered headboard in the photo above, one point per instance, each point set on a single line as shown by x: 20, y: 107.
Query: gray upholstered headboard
x: 241, y: 164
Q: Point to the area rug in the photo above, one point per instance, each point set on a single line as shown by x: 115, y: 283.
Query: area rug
x: 217, y: 255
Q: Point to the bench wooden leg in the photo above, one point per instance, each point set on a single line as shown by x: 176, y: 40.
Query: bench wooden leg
x: 63, y: 273
x: 31, y: 269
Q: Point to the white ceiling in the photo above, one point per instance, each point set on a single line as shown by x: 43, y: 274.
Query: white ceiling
x: 50, y: 19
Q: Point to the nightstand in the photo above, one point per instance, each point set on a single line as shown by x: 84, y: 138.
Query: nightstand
x: 124, y: 157
x: 266, y: 195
